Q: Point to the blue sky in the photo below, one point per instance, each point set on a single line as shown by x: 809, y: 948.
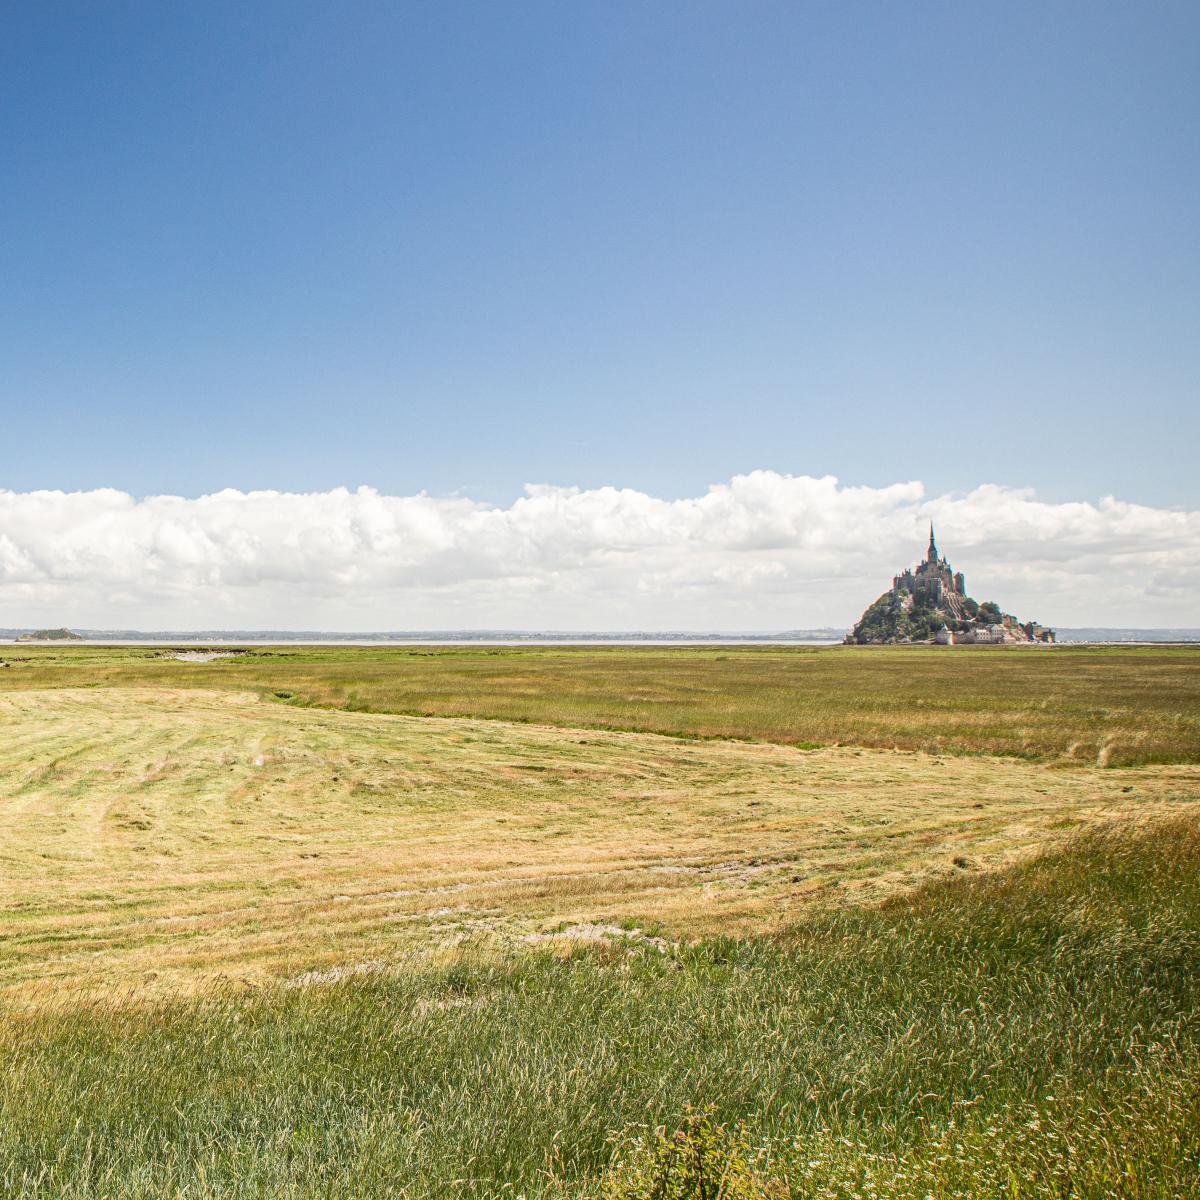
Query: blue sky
x: 463, y: 247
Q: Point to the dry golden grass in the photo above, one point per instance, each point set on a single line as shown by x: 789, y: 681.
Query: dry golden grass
x: 159, y: 839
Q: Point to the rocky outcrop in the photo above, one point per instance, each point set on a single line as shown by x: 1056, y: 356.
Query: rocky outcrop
x: 929, y: 604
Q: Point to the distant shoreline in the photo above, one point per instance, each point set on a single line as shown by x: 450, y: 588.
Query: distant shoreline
x: 564, y: 640
x: 805, y: 637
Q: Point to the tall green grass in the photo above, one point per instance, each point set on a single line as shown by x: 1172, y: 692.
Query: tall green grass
x: 1033, y: 1033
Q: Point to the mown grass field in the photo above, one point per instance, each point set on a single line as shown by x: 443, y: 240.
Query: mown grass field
x: 1114, y: 705
x: 263, y: 934
x: 157, y: 838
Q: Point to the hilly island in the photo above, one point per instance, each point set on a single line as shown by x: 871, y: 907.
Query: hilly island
x: 929, y: 603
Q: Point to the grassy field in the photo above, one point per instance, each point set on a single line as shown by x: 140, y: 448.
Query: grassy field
x: 1028, y: 1033
x: 1117, y: 706
x: 263, y: 934
x: 167, y: 837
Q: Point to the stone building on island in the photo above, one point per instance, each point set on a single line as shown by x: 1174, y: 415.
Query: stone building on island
x: 929, y: 603
x: 932, y: 576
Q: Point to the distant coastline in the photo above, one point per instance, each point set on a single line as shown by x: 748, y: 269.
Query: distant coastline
x: 440, y: 637
x: 511, y: 637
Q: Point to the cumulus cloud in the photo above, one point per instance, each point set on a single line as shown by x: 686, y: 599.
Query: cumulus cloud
x: 761, y: 551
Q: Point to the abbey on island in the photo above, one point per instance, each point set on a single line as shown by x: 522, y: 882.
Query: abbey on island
x: 929, y: 603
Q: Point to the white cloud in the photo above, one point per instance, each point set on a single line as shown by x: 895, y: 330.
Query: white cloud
x: 763, y: 551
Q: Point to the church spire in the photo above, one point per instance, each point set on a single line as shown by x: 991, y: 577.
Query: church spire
x: 933, y: 554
